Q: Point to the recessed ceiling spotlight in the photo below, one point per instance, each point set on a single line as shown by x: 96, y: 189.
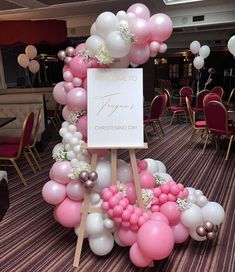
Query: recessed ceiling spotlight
x: 176, y: 2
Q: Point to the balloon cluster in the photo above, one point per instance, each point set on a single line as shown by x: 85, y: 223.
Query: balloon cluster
x: 27, y: 60
x: 88, y: 178
x: 208, y: 229
x: 231, y: 45
x: 201, y: 52
x: 66, y: 55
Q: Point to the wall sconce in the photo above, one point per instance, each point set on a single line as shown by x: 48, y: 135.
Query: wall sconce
x: 160, y: 61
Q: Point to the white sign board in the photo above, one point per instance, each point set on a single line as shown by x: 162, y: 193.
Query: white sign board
x: 115, y: 108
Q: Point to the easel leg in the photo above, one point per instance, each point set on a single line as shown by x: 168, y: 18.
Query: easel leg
x: 114, y: 165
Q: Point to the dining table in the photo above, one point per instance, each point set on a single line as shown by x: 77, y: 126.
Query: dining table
x: 6, y: 120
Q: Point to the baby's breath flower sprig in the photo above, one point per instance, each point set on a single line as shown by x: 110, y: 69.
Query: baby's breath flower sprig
x: 182, y: 204
x: 159, y: 180
x: 147, y: 197
x: 82, y: 166
x: 121, y: 187
x: 103, y: 56
x: 85, y: 54
x: 74, y: 115
x: 126, y: 34
x: 60, y: 155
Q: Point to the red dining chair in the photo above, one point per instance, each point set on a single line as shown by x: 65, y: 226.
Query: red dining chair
x: 157, y: 107
x: 217, y: 123
x: 198, y: 126
x: 199, y: 100
x: 11, y: 152
x: 210, y: 97
x: 184, y: 92
x: 218, y: 90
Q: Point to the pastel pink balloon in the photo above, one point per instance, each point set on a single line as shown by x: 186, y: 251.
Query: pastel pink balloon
x: 68, y: 86
x: 68, y: 213
x: 154, y: 46
x: 140, y: 28
x: 137, y: 257
x: 170, y: 210
x: 130, y: 192
x: 77, y: 99
x: 75, y: 190
x: 94, y: 63
x: 60, y: 171
x: 162, y: 48
x: 82, y: 125
x: 139, y: 54
x: 53, y: 192
x: 77, y: 81
x: 84, y: 84
x: 147, y: 180
x: 67, y: 76
x: 140, y: 11
x: 80, y: 47
x: 65, y: 113
x: 66, y: 68
x: 126, y: 236
x: 78, y: 67
x: 180, y: 232
x: 59, y: 93
x: 159, y: 217
x: 161, y: 27
x: 155, y: 240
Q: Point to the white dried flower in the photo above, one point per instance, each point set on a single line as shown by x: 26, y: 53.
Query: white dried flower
x: 103, y: 56
x: 74, y: 116
x: 85, y: 54
x: 81, y: 166
x: 159, y: 180
x: 59, y: 153
x: 121, y: 187
x: 126, y: 34
x: 147, y: 197
x: 182, y: 204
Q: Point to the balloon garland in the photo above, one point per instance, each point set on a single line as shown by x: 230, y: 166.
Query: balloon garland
x: 172, y: 212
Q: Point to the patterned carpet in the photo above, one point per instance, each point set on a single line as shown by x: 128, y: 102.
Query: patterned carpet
x: 30, y: 239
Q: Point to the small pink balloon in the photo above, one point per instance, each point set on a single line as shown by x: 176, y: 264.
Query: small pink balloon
x: 53, y: 192
x: 77, y: 81
x: 170, y: 210
x: 82, y: 125
x: 130, y: 192
x: 84, y: 84
x: 80, y: 47
x: 66, y: 68
x: 162, y: 48
x: 68, y: 86
x: 140, y: 11
x: 79, y: 67
x: 147, y: 180
x: 77, y: 99
x: 67, y: 76
x: 154, y: 46
x: 68, y: 213
x: 180, y: 232
x: 137, y: 257
x: 59, y: 93
x: 75, y: 190
x: 140, y: 28
x: 60, y: 171
x: 126, y: 236
x: 65, y: 113
x: 68, y: 60
x: 139, y: 54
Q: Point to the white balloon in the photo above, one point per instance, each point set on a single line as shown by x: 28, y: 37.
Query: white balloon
x: 152, y: 166
x: 161, y: 166
x: 95, y: 198
x: 74, y: 162
x: 23, y: 60
x: 201, y: 201
x: 70, y: 155
x: 67, y: 136
x: 72, y: 128
x: 195, y: 236
x: 116, y: 46
x: 124, y: 173
x: 73, y: 141
x: 191, y: 199
x: 213, y: 212
x: 57, y: 148
x: 204, y: 51
x: 103, y: 170
x: 190, y: 190
x: 67, y: 147
x: 106, y: 23
x: 192, y: 217
x: 65, y: 124
x: 93, y: 29
x: 164, y: 176
x: 108, y: 223
x: 198, y: 193
x: 198, y: 62
x: 77, y: 149
x: 77, y: 229
x: 94, y: 224
x: 231, y: 45
x: 195, y: 46
x: 62, y: 131
x: 121, y: 15
x: 31, y: 51
x: 93, y: 43
x: 123, y: 23
x: 34, y: 66
x: 130, y: 16
x: 102, y: 245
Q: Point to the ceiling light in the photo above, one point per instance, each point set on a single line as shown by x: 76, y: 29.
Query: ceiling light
x: 176, y: 2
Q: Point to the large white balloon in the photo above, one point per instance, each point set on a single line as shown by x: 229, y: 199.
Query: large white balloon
x: 198, y: 62
x: 192, y: 217
x: 213, y: 212
x: 161, y: 166
x: 204, y: 51
x: 231, y: 45
x: 93, y: 43
x: 116, y: 46
x: 103, y: 170
x: 124, y: 173
x: 34, y: 66
x: 93, y: 29
x: 195, y: 46
x: 94, y: 224
x: 102, y: 245
x: 31, y: 51
x: 106, y: 23
x: 23, y: 60
x: 152, y: 166
x: 121, y: 15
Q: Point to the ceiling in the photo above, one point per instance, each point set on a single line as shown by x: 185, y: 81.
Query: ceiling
x: 215, y: 26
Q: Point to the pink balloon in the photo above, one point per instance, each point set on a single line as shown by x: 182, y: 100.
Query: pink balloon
x: 65, y: 113
x: 67, y: 76
x: 84, y: 84
x: 137, y: 257
x: 59, y: 93
x: 140, y: 28
x: 140, y: 11
x: 170, y: 210
x: 159, y: 217
x: 130, y: 192
x: 82, y: 125
x: 68, y: 213
x: 101, y: 152
x: 68, y: 86
x: 162, y: 48
x: 161, y: 27
x: 79, y: 66
x: 77, y: 81
x: 139, y: 54
x: 80, y: 47
x: 147, y: 180
x: 66, y: 68
x: 155, y: 240
x: 154, y: 46
x: 53, y: 192
x: 126, y: 236
x: 180, y: 232
x: 77, y: 99
x: 60, y: 171
x: 75, y: 190
x: 94, y: 63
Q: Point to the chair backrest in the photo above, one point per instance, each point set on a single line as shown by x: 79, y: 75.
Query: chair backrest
x: 168, y: 102
x: 37, y: 126
x: 27, y: 129
x: 184, y: 92
x: 230, y: 98
x: 218, y: 90
x: 191, y: 113
x: 157, y: 106
x: 200, y: 97
x: 216, y: 117
x: 210, y: 97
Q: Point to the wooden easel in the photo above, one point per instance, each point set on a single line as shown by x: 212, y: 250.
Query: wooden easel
x: 87, y: 196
